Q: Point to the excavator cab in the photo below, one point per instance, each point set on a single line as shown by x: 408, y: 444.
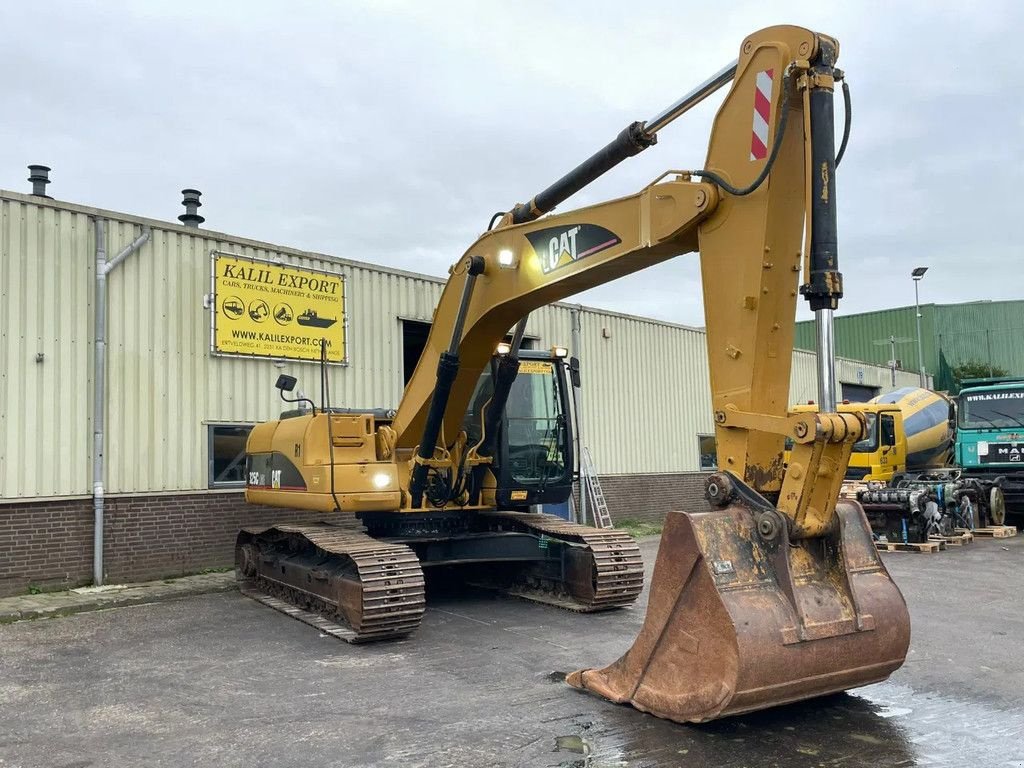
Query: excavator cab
x: 533, y: 459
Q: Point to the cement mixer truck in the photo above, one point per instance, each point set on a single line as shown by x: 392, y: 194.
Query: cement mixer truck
x: 908, y: 430
x: 916, y: 471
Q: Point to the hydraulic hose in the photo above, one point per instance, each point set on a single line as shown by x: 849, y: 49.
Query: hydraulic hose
x: 847, y: 119
x: 776, y: 145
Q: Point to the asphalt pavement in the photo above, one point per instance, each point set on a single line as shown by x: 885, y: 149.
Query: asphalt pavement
x: 220, y: 680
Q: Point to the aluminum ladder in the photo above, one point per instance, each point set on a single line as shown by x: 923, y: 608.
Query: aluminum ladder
x: 592, y: 488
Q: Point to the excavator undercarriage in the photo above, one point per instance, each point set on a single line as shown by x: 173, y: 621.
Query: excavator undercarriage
x: 359, y: 583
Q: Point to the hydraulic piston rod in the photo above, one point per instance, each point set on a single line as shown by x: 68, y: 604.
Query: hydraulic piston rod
x: 634, y: 139
x: 447, y: 369
x: 825, y: 282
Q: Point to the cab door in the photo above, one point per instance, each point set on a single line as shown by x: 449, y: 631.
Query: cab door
x: 892, y: 444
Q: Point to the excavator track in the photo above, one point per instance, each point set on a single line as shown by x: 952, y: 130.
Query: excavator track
x: 606, y: 572
x: 333, y: 577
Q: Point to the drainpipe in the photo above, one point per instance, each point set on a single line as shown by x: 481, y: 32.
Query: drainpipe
x: 103, y: 268
x: 577, y: 406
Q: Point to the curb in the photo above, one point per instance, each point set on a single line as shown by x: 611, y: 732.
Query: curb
x: 58, y: 604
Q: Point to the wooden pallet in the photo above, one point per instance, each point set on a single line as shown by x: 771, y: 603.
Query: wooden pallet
x: 914, y: 546
x: 957, y: 540
x: 992, y: 531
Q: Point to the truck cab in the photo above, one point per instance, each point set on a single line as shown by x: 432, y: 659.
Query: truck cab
x: 882, y: 451
x: 990, y: 433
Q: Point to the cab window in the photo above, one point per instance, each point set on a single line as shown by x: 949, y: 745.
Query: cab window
x: 888, y: 429
x: 868, y: 443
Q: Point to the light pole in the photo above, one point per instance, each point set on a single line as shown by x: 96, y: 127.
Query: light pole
x: 893, y: 363
x: 917, y: 274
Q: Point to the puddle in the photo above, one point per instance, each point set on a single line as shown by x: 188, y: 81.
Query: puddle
x: 946, y: 731
x: 881, y: 726
x: 575, y: 744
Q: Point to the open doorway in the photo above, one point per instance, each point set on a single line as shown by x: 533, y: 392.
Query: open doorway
x: 858, y: 393
x: 414, y: 341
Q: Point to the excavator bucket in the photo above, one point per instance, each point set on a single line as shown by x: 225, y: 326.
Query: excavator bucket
x: 741, y: 618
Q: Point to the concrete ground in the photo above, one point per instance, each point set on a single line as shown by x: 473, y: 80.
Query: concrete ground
x: 53, y: 604
x: 219, y: 680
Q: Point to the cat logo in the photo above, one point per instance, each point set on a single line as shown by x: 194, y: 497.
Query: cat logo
x: 557, y: 247
x: 561, y: 250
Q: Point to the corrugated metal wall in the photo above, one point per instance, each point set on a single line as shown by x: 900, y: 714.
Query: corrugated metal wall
x: 46, y: 295
x: 952, y: 334
x: 804, y: 380
x: 987, y: 332
x: 866, y: 336
x: 646, y: 394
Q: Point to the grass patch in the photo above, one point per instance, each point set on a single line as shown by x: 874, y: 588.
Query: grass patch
x: 173, y: 578
x: 637, y: 528
x: 46, y: 589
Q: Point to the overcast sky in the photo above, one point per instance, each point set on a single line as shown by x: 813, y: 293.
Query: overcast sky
x: 389, y: 132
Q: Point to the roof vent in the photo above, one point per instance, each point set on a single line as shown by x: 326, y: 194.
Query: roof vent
x: 39, y: 175
x: 191, y: 217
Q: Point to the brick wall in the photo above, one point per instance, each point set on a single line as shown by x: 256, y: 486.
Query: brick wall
x: 649, y: 498
x: 49, y: 544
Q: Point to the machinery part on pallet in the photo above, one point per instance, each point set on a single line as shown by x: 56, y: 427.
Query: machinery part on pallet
x: 964, y: 501
x: 907, y: 515
x: 333, y: 577
x: 996, y: 506
x: 602, y: 568
x: 733, y: 627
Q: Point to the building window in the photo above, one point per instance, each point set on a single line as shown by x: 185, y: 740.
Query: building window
x: 227, y: 454
x: 708, y: 451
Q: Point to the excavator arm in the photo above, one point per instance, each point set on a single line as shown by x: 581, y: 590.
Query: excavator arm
x: 751, y: 263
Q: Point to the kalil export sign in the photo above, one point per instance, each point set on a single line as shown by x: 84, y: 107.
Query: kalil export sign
x: 264, y: 309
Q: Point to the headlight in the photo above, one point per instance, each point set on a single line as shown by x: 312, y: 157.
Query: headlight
x: 381, y: 480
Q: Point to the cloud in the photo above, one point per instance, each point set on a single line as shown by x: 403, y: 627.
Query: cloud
x: 390, y: 131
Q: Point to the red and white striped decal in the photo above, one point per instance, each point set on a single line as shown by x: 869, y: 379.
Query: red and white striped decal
x: 762, y: 115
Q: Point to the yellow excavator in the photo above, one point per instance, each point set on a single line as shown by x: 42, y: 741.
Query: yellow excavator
x: 772, y: 594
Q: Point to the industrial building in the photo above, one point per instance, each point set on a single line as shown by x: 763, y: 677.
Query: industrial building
x: 84, y: 287
x: 985, y: 333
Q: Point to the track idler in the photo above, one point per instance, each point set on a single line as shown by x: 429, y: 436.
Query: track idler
x: 741, y: 618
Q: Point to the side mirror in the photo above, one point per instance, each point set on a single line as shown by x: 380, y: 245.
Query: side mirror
x: 574, y: 372
x: 286, y: 383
